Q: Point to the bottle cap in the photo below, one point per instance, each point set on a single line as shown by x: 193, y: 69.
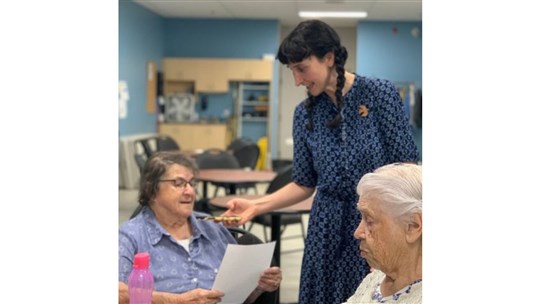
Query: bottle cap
x: 142, y: 260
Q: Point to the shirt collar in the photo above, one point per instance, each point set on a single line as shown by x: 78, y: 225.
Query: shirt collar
x: 156, y: 231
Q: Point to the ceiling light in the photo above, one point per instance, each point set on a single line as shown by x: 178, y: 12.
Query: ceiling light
x: 332, y: 14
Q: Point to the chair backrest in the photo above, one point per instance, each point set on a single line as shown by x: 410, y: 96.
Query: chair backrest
x: 166, y: 143
x: 136, y: 211
x: 217, y: 159
x: 140, y: 159
x: 247, y: 155
x: 246, y: 152
x: 239, y: 143
x: 142, y: 153
x: 244, y: 237
x: 143, y: 146
x: 283, y: 177
x: 279, y: 165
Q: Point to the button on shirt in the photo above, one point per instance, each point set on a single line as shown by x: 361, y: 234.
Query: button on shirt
x: 174, y: 268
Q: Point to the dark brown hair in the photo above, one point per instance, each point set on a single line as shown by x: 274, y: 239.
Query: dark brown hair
x: 314, y: 37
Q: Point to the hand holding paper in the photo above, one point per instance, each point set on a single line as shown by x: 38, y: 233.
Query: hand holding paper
x: 241, y: 269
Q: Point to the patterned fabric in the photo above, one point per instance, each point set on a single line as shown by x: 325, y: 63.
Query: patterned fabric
x: 174, y: 269
x: 370, y: 291
x: 374, y: 132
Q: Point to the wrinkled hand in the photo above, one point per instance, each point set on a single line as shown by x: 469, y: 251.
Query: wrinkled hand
x: 202, y: 296
x: 270, y: 279
x: 239, y: 207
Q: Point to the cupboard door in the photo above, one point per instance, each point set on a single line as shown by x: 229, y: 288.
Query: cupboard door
x: 250, y: 70
x: 179, y: 69
x: 211, y: 76
x: 196, y: 136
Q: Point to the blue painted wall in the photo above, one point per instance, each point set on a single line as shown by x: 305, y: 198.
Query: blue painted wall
x: 141, y: 36
x: 389, y: 50
x: 219, y: 38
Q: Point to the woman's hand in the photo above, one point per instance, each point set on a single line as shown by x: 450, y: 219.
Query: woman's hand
x: 201, y: 296
x: 270, y: 279
x: 240, y: 207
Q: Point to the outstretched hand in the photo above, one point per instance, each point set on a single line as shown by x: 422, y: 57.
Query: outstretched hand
x: 240, y: 207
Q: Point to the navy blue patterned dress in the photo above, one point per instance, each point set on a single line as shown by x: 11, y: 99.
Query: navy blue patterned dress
x: 333, y: 161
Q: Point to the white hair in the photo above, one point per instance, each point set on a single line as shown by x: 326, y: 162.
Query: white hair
x: 397, y: 188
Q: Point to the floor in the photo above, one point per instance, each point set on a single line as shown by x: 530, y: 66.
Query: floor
x: 291, y: 257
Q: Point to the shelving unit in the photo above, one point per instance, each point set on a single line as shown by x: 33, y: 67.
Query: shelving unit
x: 253, y: 109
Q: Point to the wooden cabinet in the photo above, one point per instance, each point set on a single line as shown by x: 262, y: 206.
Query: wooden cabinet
x: 180, y: 69
x: 203, y: 74
x: 249, y: 70
x: 212, y: 75
x: 191, y: 136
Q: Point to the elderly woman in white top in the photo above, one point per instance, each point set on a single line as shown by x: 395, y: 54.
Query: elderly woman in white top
x: 390, y: 234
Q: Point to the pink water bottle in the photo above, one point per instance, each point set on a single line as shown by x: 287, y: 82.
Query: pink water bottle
x: 141, y: 280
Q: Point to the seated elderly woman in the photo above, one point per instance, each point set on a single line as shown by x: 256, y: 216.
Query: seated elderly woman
x: 185, y: 253
x: 390, y: 234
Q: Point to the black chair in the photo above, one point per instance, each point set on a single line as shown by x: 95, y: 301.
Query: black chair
x: 247, y: 154
x: 166, y: 143
x: 158, y: 143
x: 238, y: 143
x: 136, y: 211
x: 279, y: 165
x: 244, y: 237
x: 282, y: 178
x: 218, y: 159
x: 142, y: 153
x: 144, y: 148
x: 140, y: 159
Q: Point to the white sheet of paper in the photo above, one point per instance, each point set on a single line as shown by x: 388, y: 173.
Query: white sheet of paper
x: 240, y: 270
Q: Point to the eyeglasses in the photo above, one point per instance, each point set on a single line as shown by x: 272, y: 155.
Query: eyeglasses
x: 180, y: 182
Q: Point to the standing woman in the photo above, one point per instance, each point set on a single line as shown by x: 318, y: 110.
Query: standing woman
x: 348, y: 126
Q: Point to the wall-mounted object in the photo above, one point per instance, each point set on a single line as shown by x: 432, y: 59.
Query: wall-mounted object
x: 151, y: 86
x: 180, y: 108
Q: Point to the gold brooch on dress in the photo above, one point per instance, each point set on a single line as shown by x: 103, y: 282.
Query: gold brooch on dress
x: 363, y: 110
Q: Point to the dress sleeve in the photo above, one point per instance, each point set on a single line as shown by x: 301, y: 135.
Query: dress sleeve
x: 395, y: 130
x: 303, y: 172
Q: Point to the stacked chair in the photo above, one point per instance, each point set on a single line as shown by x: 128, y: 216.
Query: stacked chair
x: 246, y: 153
x: 144, y: 148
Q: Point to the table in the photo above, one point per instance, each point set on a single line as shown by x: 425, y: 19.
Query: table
x: 233, y: 177
x: 299, y: 208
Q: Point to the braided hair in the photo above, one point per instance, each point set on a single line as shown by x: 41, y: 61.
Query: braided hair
x: 314, y: 37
